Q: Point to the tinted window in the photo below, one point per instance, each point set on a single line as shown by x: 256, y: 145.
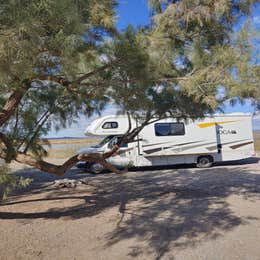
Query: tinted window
x: 164, y: 129
x: 110, y: 125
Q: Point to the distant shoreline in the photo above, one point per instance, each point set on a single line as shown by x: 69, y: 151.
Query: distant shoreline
x: 72, y: 140
x: 71, y: 137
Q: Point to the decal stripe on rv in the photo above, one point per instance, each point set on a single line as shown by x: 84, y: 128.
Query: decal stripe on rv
x: 240, y: 145
x: 214, y: 147
x: 178, y: 149
x: 164, y: 148
x: 204, y: 125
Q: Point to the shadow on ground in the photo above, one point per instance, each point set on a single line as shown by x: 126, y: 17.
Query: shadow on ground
x: 171, y: 207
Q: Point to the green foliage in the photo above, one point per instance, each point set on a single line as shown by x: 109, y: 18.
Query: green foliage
x: 42, y: 39
x: 10, y: 182
x: 188, y: 52
x: 44, y: 36
x: 200, y: 37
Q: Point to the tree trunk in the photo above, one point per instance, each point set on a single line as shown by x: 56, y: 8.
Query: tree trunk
x: 60, y: 170
x: 45, y: 166
x: 11, y: 104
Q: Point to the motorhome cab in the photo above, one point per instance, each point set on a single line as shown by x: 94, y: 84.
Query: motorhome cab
x: 168, y: 141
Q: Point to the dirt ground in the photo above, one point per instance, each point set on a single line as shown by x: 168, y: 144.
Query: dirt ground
x: 177, y: 213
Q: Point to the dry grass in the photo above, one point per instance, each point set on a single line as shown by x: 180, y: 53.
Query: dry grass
x: 61, y: 154
x: 73, y: 141
x: 257, y: 141
x: 62, y: 149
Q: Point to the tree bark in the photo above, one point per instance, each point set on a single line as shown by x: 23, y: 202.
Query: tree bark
x: 58, y: 170
x: 11, y: 104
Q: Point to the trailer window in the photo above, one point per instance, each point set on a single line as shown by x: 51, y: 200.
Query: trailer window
x: 164, y: 129
x: 110, y: 125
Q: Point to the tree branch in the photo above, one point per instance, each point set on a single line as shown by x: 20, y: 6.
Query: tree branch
x: 91, y: 73
x: 45, y: 166
x: 122, y: 140
x: 7, y: 151
x: 12, y: 103
x: 39, y: 125
x: 71, y: 85
x: 5, y: 140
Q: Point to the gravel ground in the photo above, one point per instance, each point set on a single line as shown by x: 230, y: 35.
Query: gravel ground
x: 177, y: 213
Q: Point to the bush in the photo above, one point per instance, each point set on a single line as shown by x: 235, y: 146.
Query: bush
x: 10, y: 182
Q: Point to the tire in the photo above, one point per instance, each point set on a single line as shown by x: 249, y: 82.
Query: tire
x: 204, y: 161
x: 82, y: 165
x: 96, y: 168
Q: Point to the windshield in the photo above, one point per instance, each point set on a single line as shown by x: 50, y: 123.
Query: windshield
x: 103, y: 142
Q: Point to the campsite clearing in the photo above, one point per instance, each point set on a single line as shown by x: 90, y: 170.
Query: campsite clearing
x: 180, y: 213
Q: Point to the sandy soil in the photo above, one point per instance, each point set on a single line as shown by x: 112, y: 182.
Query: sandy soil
x: 178, y: 213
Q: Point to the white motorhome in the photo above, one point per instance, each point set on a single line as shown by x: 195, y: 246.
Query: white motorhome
x: 222, y: 137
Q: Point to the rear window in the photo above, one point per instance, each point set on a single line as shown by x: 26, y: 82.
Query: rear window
x: 165, y: 129
x: 110, y: 125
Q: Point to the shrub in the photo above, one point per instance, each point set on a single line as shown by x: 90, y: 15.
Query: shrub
x: 10, y: 182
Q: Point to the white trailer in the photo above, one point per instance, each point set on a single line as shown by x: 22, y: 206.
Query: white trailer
x: 222, y: 137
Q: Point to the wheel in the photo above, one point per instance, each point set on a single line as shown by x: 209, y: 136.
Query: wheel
x: 82, y: 165
x: 204, y: 161
x: 96, y: 168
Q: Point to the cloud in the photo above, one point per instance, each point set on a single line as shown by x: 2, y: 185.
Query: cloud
x: 256, y: 20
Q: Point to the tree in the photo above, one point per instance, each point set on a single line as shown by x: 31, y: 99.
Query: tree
x: 62, y: 58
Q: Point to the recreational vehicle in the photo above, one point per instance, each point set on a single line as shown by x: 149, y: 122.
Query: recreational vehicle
x: 217, y: 138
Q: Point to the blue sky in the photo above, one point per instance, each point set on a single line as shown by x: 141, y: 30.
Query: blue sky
x: 136, y: 12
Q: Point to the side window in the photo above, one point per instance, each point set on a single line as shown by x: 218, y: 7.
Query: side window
x: 165, y: 129
x: 114, y: 141
x: 177, y: 129
x: 110, y: 125
x: 162, y: 129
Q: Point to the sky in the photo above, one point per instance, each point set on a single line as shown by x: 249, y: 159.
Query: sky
x: 136, y: 13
